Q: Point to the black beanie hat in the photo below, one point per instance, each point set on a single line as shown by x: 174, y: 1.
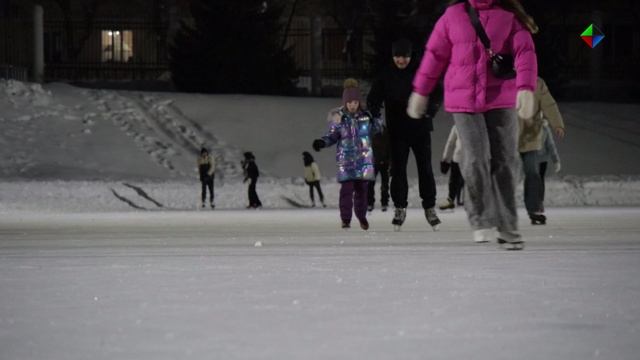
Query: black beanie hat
x: 401, y: 47
x: 204, y: 150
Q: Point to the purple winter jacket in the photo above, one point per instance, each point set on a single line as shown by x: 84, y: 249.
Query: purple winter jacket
x: 352, y: 133
x: 454, y: 47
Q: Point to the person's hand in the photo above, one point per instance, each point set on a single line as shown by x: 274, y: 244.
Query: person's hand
x: 417, y: 105
x: 525, y: 104
x: 558, y: 167
x: 559, y: 133
x: 318, y: 144
x: 444, y: 166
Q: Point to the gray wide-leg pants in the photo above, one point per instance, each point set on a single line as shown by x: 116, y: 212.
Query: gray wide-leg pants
x: 489, y: 159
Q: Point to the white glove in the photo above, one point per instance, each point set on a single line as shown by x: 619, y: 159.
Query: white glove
x: 558, y: 167
x: 524, y: 104
x: 417, y: 105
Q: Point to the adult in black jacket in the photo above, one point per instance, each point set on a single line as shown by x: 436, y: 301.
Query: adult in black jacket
x: 391, y: 90
x: 252, y: 173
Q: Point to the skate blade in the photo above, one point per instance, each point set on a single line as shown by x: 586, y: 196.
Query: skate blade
x: 436, y: 227
x: 397, y: 228
x: 511, y: 246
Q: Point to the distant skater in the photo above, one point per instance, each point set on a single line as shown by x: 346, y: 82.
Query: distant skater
x: 251, y: 173
x: 206, y: 169
x: 312, y: 178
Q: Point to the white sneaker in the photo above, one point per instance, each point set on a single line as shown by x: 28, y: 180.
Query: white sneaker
x: 483, y: 235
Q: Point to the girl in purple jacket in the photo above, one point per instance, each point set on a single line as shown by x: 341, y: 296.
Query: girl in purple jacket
x: 351, y: 129
x: 483, y: 105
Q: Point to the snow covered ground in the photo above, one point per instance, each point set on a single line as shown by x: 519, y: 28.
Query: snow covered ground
x: 109, y: 196
x: 64, y: 148
x: 193, y: 285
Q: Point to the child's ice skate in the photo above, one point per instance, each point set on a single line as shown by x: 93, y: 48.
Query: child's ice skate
x: 364, y: 224
x: 346, y: 225
x: 447, y: 205
x: 384, y: 208
x: 370, y: 208
x: 398, y: 218
x: 432, y: 218
x: 510, y: 240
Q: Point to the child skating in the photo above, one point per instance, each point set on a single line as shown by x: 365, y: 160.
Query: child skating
x: 312, y: 178
x: 351, y: 129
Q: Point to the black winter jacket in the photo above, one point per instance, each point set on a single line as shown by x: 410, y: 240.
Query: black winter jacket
x: 391, y: 90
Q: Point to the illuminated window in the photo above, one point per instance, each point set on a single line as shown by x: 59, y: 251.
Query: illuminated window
x: 117, y: 45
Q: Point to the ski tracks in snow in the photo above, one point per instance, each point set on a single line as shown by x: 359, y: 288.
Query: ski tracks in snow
x: 138, y: 191
x: 136, y: 124
x: 159, y: 128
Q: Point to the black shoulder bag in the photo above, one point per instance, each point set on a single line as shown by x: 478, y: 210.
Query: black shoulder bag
x: 501, y: 64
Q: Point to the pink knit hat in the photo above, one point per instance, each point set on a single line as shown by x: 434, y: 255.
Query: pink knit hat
x: 351, y: 91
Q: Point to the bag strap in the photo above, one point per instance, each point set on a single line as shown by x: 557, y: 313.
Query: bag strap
x: 475, y: 21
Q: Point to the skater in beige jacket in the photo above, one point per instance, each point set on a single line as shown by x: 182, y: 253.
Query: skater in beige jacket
x: 530, y: 142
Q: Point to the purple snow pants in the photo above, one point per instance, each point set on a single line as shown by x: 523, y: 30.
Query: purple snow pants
x: 353, y: 198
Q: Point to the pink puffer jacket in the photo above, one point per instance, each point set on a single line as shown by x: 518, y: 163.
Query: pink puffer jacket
x: 454, y: 46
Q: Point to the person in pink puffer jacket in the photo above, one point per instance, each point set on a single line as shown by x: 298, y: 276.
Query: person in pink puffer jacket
x: 483, y: 106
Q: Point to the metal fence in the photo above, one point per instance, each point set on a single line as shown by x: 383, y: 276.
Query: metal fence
x: 340, y: 55
x: 138, y: 50
x: 118, y: 50
x: 13, y: 72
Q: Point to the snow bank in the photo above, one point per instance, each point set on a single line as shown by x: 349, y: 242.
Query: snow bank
x: 64, y: 148
x: 97, y: 196
x: 25, y: 93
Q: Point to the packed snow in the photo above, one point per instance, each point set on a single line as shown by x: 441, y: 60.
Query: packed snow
x: 59, y: 141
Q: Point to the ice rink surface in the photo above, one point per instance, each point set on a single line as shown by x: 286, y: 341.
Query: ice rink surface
x: 194, y: 285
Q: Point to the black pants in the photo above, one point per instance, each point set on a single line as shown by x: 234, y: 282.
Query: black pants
x: 383, y: 170
x: 456, y: 183
x: 533, y: 183
x: 254, y: 201
x: 420, y: 144
x: 543, y: 171
x: 207, y: 183
x: 315, y: 184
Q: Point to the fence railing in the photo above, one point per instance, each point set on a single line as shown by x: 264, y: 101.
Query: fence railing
x: 138, y: 50
x: 13, y: 72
